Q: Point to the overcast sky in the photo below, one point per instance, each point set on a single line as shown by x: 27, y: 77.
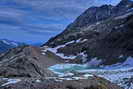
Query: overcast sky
x: 35, y: 21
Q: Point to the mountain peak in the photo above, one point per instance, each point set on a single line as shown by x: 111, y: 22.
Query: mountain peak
x: 6, y: 44
x: 125, y: 3
x: 93, y: 29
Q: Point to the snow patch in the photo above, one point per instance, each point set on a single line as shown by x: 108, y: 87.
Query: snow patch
x: 121, y: 56
x: 123, y: 16
x: 66, y: 57
x: 38, y: 81
x: 130, y: 9
x: 13, y: 43
x: 55, y: 50
x: 94, y: 62
x: 84, y: 40
x: 4, y: 41
x: 87, y: 75
x: 79, y: 40
x: 70, y: 42
x: 83, y: 56
x: 43, y: 53
x: 66, y: 74
x: 128, y: 62
x: 11, y: 81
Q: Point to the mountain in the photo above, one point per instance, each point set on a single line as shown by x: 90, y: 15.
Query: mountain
x: 7, y: 44
x: 97, y: 43
x: 102, y: 39
x: 101, y: 34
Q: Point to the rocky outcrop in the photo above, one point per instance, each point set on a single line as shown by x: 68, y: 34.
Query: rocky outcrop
x: 103, y: 33
x: 25, y: 61
x: 58, y: 83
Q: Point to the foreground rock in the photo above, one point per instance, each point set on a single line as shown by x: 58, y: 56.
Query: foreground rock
x: 58, y: 83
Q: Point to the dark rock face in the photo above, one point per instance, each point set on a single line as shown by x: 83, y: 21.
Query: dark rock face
x: 23, y: 62
x: 90, y: 83
x: 89, y: 17
x: 107, y: 31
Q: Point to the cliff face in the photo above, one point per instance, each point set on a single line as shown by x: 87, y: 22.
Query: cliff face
x: 103, y: 33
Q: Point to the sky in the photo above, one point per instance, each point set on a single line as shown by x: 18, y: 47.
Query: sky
x: 35, y: 21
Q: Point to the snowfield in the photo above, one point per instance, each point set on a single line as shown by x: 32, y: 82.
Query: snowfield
x: 10, y: 81
x: 55, y: 50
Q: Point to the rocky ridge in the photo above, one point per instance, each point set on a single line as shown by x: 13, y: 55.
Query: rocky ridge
x: 24, y: 61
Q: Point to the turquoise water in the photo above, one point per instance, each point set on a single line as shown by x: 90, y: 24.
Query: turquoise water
x: 63, y: 68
